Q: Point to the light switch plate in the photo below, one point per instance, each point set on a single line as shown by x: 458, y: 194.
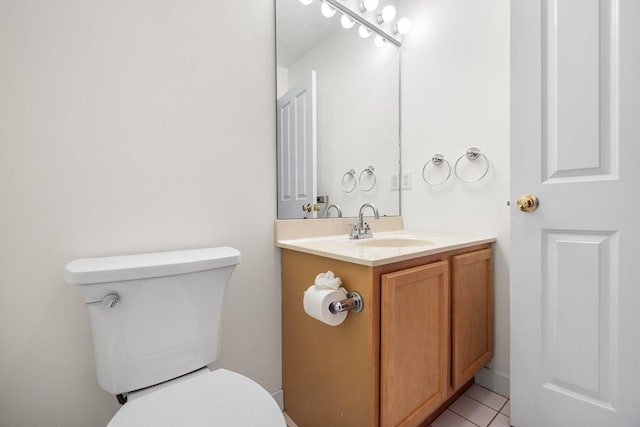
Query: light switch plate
x: 406, y: 180
x: 395, y: 181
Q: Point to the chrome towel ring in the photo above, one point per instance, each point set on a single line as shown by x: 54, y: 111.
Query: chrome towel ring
x: 371, y: 172
x: 437, y: 160
x: 349, y: 181
x: 472, y: 155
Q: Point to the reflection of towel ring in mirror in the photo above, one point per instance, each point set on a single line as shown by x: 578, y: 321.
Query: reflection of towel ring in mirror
x: 370, y: 171
x: 472, y: 155
x: 437, y: 160
x: 349, y: 175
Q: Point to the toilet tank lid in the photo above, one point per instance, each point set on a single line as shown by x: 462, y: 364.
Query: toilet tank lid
x: 140, y: 266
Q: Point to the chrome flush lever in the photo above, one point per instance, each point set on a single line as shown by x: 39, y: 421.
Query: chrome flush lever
x: 109, y: 301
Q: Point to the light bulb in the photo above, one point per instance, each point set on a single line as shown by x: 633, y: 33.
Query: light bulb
x: 379, y: 41
x: 327, y: 10
x: 386, y: 14
x: 346, y: 22
x: 402, y: 26
x: 306, y: 2
x: 364, y: 32
x: 368, y: 5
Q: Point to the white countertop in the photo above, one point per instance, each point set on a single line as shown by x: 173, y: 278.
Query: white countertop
x: 360, y: 252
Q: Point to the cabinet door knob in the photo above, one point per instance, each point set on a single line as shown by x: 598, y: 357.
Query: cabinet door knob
x: 528, y: 203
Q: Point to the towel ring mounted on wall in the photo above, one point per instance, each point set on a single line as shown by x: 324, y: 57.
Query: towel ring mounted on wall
x: 472, y: 155
x: 371, y: 172
x: 349, y: 181
x: 437, y: 160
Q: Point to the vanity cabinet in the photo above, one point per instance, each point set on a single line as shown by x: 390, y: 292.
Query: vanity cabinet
x: 425, y: 330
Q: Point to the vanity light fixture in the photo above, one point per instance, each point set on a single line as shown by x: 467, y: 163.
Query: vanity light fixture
x: 387, y: 14
x: 364, y: 32
x: 347, y: 22
x: 349, y: 17
x: 327, y: 11
x: 379, y: 41
x: 402, y: 26
x: 368, y: 5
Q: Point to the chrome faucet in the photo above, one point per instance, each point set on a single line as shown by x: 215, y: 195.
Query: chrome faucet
x: 361, y: 230
x: 337, y: 208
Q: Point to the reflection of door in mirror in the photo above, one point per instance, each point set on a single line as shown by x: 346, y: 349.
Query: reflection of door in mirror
x: 296, y: 150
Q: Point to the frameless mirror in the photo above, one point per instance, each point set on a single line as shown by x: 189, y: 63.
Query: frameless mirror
x: 338, y: 131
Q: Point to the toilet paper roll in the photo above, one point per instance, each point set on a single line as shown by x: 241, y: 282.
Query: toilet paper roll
x: 316, y: 304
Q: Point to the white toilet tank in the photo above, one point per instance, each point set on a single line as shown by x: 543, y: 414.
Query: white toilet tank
x: 165, y: 316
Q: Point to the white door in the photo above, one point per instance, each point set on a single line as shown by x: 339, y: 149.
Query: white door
x: 575, y: 282
x: 296, y: 150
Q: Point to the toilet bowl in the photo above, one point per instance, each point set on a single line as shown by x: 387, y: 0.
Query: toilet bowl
x: 216, y: 398
x: 156, y: 324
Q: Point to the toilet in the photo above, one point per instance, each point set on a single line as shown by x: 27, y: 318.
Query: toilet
x: 156, y: 321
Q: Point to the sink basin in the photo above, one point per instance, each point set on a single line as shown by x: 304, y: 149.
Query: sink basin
x: 394, y: 243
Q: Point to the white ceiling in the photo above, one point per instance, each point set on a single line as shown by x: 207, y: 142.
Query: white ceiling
x: 300, y: 27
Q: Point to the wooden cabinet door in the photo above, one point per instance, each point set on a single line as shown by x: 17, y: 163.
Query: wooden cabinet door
x: 414, y: 344
x: 472, y: 314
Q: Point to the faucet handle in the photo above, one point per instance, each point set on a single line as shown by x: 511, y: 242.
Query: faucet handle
x: 354, y: 231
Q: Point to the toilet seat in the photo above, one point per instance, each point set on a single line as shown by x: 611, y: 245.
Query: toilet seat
x: 218, y: 398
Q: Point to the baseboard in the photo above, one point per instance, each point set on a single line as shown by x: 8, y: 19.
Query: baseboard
x: 279, y: 398
x: 494, y: 381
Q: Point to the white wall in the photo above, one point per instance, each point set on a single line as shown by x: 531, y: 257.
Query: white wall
x: 128, y: 127
x: 282, y: 83
x: 455, y: 95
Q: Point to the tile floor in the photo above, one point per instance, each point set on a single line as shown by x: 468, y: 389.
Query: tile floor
x: 477, y: 407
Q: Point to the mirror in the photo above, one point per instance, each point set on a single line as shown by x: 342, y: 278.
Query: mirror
x: 338, y: 115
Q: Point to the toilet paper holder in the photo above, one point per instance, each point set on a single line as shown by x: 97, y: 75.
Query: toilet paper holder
x: 352, y: 302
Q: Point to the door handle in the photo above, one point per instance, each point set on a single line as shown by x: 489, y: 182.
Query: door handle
x: 310, y: 207
x: 528, y: 203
